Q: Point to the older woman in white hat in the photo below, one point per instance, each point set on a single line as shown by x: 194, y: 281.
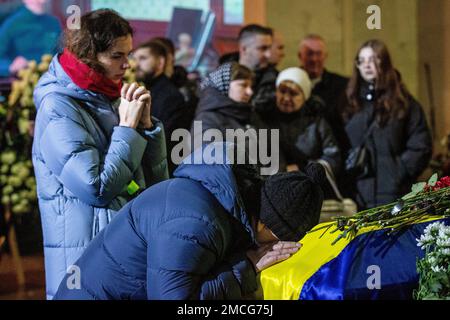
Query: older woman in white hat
x: 305, y: 136
x: 293, y: 89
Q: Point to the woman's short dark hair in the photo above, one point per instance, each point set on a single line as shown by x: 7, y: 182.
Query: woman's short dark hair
x: 240, y: 72
x: 98, y: 31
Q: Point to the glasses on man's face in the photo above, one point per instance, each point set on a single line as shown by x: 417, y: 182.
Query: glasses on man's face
x: 372, y: 60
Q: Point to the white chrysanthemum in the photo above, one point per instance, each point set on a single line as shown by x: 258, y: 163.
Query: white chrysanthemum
x: 425, y: 241
x: 444, y: 251
x: 431, y: 260
x: 444, y: 233
x: 443, y: 242
x: 437, y: 269
x: 433, y: 229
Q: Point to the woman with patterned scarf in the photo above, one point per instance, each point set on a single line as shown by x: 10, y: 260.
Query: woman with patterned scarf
x: 224, y: 99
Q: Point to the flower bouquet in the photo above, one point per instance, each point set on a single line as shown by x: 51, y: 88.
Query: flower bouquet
x: 425, y: 199
x: 434, y: 268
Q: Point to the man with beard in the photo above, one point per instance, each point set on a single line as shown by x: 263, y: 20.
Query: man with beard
x: 255, y: 44
x: 277, y: 50
x: 167, y: 102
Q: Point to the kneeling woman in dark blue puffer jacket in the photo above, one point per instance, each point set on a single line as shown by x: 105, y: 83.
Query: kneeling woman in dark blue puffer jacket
x: 203, y: 235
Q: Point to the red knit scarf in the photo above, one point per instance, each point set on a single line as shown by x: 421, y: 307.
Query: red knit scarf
x: 87, y: 78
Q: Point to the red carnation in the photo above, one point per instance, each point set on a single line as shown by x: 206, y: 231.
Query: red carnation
x: 445, y: 181
x: 438, y: 185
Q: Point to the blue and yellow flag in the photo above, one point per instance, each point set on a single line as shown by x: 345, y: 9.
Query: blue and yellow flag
x: 372, y: 265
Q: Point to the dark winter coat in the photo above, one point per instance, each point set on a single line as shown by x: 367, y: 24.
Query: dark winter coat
x: 331, y: 89
x: 264, y: 88
x: 168, y: 105
x: 304, y: 135
x: 400, y: 151
x: 217, y: 111
x: 185, y: 238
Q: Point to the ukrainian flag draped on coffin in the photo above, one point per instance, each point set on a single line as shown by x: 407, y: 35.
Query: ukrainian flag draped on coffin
x: 350, y: 269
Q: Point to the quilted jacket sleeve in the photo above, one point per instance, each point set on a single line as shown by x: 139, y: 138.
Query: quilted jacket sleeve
x: 193, y: 267
x: 154, y: 161
x: 70, y: 152
x: 330, y: 149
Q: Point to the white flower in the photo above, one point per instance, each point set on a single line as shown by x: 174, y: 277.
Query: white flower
x: 437, y: 269
x: 444, y: 251
x: 444, y: 233
x: 425, y: 241
x: 443, y: 242
x: 433, y: 229
x: 436, y: 232
x: 431, y: 260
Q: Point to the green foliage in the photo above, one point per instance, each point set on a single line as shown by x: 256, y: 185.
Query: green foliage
x: 415, y: 190
x: 17, y: 182
x: 433, y: 179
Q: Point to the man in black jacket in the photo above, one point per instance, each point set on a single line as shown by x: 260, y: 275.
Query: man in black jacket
x: 328, y: 86
x: 167, y: 102
x: 255, y: 45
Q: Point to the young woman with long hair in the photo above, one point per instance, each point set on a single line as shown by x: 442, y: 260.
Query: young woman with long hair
x: 382, y: 115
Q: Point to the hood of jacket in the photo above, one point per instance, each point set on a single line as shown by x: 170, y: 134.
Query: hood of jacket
x: 212, y: 100
x: 212, y: 166
x: 56, y: 80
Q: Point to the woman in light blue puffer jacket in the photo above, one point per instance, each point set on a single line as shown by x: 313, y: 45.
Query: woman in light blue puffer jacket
x: 95, y: 143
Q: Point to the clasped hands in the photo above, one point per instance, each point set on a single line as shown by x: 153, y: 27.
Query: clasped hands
x: 135, y: 106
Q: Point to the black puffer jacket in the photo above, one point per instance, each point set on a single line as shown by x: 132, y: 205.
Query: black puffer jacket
x: 216, y: 111
x: 304, y: 135
x: 331, y: 89
x: 169, y: 107
x: 264, y: 89
x: 400, y: 151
